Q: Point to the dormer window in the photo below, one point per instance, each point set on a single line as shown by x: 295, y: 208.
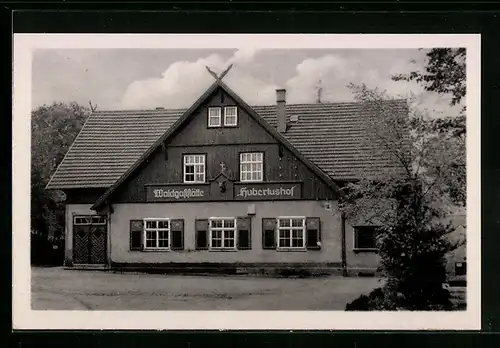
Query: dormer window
x: 230, y: 116
x: 214, y: 116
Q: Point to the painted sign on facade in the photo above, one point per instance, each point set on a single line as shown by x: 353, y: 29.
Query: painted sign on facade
x: 265, y: 191
x: 212, y: 192
x: 179, y: 193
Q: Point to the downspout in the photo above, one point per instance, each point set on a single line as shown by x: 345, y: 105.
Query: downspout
x: 109, y: 261
x: 344, y: 256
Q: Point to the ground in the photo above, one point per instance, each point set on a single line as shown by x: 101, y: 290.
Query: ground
x: 59, y: 289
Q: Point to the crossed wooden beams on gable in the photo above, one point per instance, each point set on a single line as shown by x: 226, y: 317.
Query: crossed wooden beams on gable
x: 221, y: 76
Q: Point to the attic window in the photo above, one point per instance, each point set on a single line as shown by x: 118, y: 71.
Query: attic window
x: 214, y: 116
x: 230, y: 116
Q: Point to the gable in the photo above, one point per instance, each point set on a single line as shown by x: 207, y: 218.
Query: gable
x: 197, y: 132
x: 208, y: 97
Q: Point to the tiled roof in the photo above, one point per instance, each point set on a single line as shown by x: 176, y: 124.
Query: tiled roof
x: 110, y: 142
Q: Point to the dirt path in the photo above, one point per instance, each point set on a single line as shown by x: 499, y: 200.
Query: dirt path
x: 56, y: 288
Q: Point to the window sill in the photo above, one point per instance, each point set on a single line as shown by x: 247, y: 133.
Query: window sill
x: 157, y: 249
x: 365, y: 250
x: 222, y: 249
x: 291, y: 249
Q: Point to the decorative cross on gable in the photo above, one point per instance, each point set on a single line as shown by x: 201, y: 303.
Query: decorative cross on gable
x: 222, y: 167
x: 221, y: 76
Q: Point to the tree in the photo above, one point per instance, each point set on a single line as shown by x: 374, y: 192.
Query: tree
x: 407, y: 200
x: 444, y: 73
x: 53, y: 129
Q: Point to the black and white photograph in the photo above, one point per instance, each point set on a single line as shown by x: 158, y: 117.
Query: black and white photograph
x: 219, y: 176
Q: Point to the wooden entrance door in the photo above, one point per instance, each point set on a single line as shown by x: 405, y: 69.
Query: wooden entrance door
x: 89, y: 239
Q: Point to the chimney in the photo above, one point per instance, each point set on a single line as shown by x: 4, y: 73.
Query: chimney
x: 281, y: 110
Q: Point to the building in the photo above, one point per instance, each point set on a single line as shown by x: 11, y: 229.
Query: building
x: 220, y: 186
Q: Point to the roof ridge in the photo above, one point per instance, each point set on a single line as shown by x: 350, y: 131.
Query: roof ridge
x: 164, y: 109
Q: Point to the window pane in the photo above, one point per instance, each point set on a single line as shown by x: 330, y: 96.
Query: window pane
x: 284, y: 222
x: 217, y: 223
x: 150, y: 224
x: 214, y: 111
x: 365, y: 237
x: 297, y: 222
x: 297, y: 243
x: 284, y: 234
x: 163, y: 224
x: 163, y: 239
x: 189, y: 169
x: 229, y: 223
x: 284, y: 243
x: 228, y: 243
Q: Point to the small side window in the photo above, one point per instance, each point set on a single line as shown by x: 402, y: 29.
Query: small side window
x: 365, y: 238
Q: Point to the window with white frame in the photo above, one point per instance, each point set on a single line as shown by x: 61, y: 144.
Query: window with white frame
x: 251, y: 166
x: 156, y: 233
x: 291, y: 232
x: 214, y: 116
x: 194, y: 168
x: 230, y: 116
x: 222, y: 233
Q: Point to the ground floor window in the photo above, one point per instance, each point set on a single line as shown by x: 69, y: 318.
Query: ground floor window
x: 222, y: 233
x: 365, y: 238
x: 162, y: 234
x: 291, y: 232
x: 157, y: 233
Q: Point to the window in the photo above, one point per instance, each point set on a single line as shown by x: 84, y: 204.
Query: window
x: 90, y: 220
x: 222, y: 233
x: 291, y: 232
x: 251, y: 166
x: 365, y: 238
x: 156, y: 234
x: 214, y: 117
x: 194, y: 168
x: 230, y: 116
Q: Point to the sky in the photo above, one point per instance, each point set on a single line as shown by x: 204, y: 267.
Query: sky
x: 174, y: 78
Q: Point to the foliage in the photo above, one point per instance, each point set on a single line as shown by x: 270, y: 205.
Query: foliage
x: 444, y: 73
x: 407, y: 199
x: 53, y: 129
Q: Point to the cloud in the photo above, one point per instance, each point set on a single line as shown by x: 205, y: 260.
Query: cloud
x: 183, y: 82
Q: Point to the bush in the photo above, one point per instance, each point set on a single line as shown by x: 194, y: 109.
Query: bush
x: 384, y: 299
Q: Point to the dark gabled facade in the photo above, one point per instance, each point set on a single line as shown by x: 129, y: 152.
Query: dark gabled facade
x: 162, y: 164
x: 177, y: 188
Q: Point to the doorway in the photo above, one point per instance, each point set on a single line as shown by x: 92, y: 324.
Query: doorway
x: 89, y: 239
